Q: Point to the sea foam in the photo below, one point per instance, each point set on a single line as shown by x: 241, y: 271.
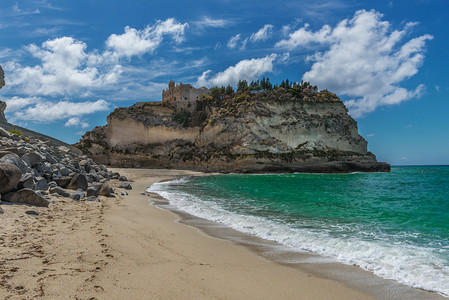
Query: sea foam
x: 416, y: 266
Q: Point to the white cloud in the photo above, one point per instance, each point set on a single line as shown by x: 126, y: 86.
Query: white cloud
x: 20, y: 11
x: 17, y: 103
x: 262, y: 34
x: 65, y: 69
x: 370, y: 134
x: 303, y: 37
x: 75, y: 122
x: 210, y: 22
x: 364, y: 60
x: 233, y: 41
x: 48, y: 112
x: 137, y: 42
x: 248, y: 69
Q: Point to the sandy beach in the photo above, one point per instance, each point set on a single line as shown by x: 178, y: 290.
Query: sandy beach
x: 125, y: 248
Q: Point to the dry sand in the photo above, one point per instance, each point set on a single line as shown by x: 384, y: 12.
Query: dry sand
x: 125, y: 248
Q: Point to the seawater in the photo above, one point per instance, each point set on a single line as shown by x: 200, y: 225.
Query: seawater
x: 395, y: 224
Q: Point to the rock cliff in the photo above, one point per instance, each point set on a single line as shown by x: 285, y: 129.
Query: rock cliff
x: 270, y: 131
x: 2, y: 104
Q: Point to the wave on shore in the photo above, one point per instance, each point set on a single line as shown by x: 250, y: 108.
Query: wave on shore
x: 373, y: 233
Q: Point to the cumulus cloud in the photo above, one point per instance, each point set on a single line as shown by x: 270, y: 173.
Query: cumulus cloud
x: 64, y: 69
x: 363, y: 59
x: 248, y: 69
x: 76, y: 122
x: 137, y: 42
x: 17, y: 103
x: 47, y: 111
x: 303, y: 37
x: 262, y: 34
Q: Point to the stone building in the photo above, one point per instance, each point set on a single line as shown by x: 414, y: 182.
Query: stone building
x: 182, y: 92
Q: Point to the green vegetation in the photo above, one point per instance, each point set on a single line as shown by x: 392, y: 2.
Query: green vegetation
x: 182, y: 117
x: 15, y: 132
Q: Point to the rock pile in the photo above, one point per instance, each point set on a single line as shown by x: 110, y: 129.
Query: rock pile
x: 31, y: 170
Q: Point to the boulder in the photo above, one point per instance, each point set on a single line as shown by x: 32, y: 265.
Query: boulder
x: 60, y: 191
x: 124, y: 193
x: 79, y: 181
x: 27, y: 181
x: 92, y: 199
x: 27, y: 196
x: 9, y: 177
x: 78, y: 195
x: 33, y: 158
x: 92, y: 191
x: 123, y: 178
x: 64, y: 181
x: 1, y: 211
x: 126, y: 186
x: 14, y: 159
x: 41, y: 184
x: 105, y: 189
x: 64, y: 171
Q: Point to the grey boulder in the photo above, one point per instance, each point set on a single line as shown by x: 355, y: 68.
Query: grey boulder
x: 126, y: 186
x: 41, y: 184
x: 60, y: 191
x: 79, y: 181
x: 27, y: 181
x: 9, y: 177
x: 27, y: 196
x: 14, y: 159
x: 78, y: 195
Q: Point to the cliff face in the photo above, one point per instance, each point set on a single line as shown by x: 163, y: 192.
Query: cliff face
x: 246, y: 132
x: 2, y: 104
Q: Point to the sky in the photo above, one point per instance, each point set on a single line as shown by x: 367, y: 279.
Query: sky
x: 68, y: 64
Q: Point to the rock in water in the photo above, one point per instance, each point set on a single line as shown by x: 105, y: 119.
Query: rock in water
x: 275, y: 130
x: 28, y: 196
x: 9, y: 177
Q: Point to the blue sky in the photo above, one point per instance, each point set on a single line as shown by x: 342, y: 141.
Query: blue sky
x: 68, y: 64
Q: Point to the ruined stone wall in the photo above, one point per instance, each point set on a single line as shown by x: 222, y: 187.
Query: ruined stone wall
x: 182, y: 92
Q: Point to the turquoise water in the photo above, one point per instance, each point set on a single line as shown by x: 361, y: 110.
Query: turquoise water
x: 393, y: 224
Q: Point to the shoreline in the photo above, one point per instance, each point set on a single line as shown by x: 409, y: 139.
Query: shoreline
x: 349, y: 278
x: 125, y: 247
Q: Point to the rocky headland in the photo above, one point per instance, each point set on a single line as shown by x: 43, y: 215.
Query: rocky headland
x: 284, y: 129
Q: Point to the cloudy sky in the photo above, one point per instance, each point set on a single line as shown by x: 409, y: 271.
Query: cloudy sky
x: 69, y: 63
